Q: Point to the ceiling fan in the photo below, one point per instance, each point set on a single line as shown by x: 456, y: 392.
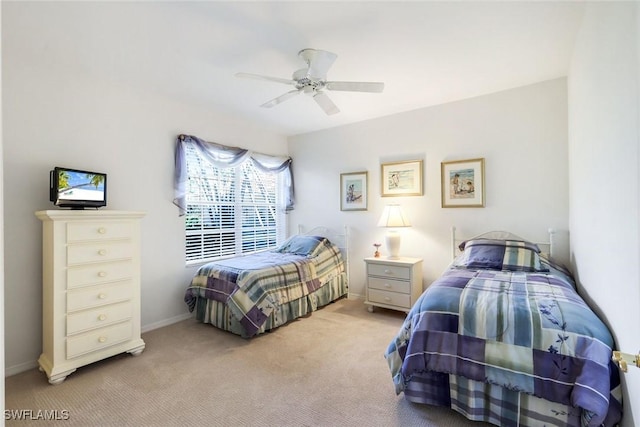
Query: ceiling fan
x: 313, y: 81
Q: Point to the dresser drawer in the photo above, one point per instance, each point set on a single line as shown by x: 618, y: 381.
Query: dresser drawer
x: 390, y: 298
x: 391, y: 285
x: 98, y: 339
x: 94, y: 274
x: 395, y: 271
x: 104, y: 230
x: 97, y: 252
x: 98, y: 317
x: 95, y: 296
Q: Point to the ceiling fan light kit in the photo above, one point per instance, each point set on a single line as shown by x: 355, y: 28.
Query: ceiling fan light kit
x: 313, y: 81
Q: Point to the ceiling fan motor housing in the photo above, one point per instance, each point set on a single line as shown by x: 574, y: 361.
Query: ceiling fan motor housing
x: 305, y: 83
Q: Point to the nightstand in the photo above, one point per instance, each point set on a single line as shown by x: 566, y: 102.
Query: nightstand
x: 393, y: 283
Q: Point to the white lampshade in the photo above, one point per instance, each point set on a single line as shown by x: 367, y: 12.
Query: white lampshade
x: 393, y: 216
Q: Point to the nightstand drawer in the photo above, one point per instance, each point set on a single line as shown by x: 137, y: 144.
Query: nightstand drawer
x: 394, y: 283
x: 395, y: 271
x: 391, y: 285
x: 391, y: 298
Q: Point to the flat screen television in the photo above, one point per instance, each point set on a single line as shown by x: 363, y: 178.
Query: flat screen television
x: 77, y: 189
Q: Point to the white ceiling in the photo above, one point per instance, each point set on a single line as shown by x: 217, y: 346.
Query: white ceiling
x: 426, y: 53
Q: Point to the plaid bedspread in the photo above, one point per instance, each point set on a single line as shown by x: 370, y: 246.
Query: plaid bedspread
x: 253, y: 286
x: 528, y: 332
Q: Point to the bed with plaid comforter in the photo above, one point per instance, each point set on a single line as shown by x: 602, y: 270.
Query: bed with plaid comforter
x: 496, y: 345
x: 254, y: 287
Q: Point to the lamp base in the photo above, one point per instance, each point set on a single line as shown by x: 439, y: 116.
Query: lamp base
x: 393, y: 244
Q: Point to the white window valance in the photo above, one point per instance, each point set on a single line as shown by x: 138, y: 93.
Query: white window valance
x: 223, y: 156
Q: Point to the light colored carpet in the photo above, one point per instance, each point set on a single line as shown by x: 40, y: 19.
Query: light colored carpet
x: 326, y: 369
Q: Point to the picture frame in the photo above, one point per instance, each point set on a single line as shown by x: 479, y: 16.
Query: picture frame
x: 462, y: 183
x: 354, y: 191
x: 401, y: 178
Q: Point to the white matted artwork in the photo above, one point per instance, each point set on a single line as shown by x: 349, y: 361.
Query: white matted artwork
x: 401, y: 178
x: 463, y: 183
x: 353, y: 191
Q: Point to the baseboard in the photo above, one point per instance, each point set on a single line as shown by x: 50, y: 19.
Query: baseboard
x: 355, y: 296
x: 22, y: 367
x: 19, y: 368
x: 165, y: 322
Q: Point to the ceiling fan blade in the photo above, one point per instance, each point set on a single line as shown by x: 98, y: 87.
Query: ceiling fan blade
x: 326, y: 103
x: 267, y: 78
x: 281, y: 98
x: 376, y: 87
x: 319, y: 62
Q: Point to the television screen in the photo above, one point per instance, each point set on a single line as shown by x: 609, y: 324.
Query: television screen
x: 78, y: 189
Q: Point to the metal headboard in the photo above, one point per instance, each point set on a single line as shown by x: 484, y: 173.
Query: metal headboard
x: 556, y: 248
x: 339, y: 237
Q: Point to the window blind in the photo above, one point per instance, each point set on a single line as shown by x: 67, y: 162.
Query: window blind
x: 230, y: 211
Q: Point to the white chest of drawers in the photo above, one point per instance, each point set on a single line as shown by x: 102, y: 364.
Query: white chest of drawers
x: 90, y: 288
x: 393, y: 283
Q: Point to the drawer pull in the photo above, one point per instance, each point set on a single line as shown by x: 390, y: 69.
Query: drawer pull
x: 102, y: 274
x: 102, y: 230
x: 102, y: 317
x: 102, y: 295
x: 102, y: 252
x: 386, y: 285
x: 102, y: 339
x: 387, y: 299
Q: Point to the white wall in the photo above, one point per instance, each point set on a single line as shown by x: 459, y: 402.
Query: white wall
x: 56, y: 114
x: 1, y: 254
x: 604, y: 159
x: 521, y: 133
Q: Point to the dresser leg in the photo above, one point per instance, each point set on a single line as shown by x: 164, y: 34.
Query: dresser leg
x: 136, y: 351
x: 59, y: 378
x: 370, y: 309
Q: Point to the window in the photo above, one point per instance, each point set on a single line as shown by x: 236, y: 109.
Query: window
x: 230, y: 211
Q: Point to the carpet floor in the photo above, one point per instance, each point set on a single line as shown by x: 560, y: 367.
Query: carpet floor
x: 326, y: 369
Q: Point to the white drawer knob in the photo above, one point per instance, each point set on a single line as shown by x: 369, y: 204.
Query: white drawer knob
x: 102, y: 252
x: 386, y: 285
x: 102, y: 317
x: 387, y: 271
x: 102, y: 230
x: 102, y: 274
x: 387, y: 299
x: 102, y: 295
x: 102, y: 339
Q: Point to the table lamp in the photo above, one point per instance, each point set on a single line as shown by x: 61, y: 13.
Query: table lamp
x: 393, y: 217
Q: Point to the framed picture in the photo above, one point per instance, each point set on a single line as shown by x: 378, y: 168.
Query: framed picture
x: 402, y: 178
x: 353, y: 191
x: 463, y: 183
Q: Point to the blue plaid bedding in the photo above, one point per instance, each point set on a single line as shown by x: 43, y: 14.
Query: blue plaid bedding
x: 528, y: 332
x: 253, y: 286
